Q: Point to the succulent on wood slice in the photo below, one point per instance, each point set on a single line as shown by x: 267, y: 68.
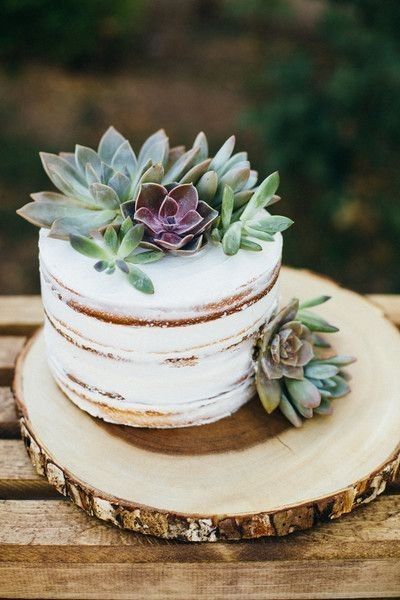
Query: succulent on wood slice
x: 292, y: 372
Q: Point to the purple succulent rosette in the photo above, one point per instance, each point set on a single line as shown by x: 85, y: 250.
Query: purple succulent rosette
x: 173, y: 216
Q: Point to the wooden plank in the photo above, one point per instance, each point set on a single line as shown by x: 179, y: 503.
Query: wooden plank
x: 53, y: 549
x: 274, y: 580
x: 57, y: 530
x: 18, y: 479
x: 10, y: 346
x: 390, y: 304
x: 9, y: 427
x: 20, y: 315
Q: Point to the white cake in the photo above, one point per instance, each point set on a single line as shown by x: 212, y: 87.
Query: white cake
x: 179, y: 357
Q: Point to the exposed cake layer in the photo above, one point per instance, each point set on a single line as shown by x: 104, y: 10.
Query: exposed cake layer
x: 179, y: 357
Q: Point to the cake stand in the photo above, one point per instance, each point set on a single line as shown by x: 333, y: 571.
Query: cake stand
x: 246, y: 476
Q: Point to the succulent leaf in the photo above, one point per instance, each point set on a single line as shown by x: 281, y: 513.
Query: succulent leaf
x: 289, y: 411
x: 223, y: 154
x: 88, y: 247
x: 227, y: 207
x: 140, y: 280
x: 315, y: 322
x: 105, y: 196
x: 269, y: 391
x: 314, y: 302
x: 232, y: 238
x: 262, y: 196
x: 111, y: 238
x: 207, y: 186
x: 109, y: 144
x: 246, y: 244
x: 142, y: 258
x: 131, y: 241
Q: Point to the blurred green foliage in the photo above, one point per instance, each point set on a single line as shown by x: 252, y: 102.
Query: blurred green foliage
x: 328, y: 116
x: 68, y: 32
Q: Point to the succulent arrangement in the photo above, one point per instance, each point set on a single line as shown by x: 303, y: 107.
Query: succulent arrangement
x: 296, y: 369
x: 182, y: 198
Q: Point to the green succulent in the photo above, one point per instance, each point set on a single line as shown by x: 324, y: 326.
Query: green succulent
x: 120, y: 247
x: 291, y: 372
x: 239, y: 226
x: 94, y: 185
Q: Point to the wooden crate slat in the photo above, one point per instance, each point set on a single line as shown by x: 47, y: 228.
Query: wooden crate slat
x: 18, y: 478
x: 20, y: 315
x: 9, y: 427
x: 275, y: 580
x: 26, y: 527
x: 10, y: 346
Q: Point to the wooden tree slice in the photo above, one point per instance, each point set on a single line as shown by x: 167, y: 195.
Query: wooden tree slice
x: 245, y: 476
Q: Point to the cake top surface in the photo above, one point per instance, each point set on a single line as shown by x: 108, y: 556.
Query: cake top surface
x: 206, y: 277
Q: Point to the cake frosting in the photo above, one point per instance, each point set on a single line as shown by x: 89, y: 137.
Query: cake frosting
x: 179, y: 357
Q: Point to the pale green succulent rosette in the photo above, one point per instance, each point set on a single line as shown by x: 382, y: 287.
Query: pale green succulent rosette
x: 203, y: 199
x: 296, y: 370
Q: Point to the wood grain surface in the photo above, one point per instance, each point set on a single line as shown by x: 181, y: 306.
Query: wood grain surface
x: 49, y: 548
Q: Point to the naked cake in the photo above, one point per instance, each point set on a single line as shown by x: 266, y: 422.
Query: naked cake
x: 158, y: 271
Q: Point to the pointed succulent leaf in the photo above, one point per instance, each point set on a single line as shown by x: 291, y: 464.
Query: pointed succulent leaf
x: 138, y: 279
x: 125, y: 226
x: 104, y: 196
x: 88, y: 247
x: 83, y: 225
x: 319, y: 371
x: 86, y: 156
x: 271, y: 224
x: 303, y: 392
x: 236, y: 178
x: 223, y: 154
x: 124, y: 157
x: 121, y: 184
x: 142, y: 258
x: 247, y: 244
x: 260, y: 235
x: 314, y: 301
x: 69, y: 157
x: 181, y: 165
x: 261, y: 197
x: 54, y: 197
x: 226, y: 207
x: 159, y: 137
x: 252, y: 180
x: 289, y: 411
x: 154, y: 174
x: 315, y: 322
x: 173, y: 155
x: 43, y: 214
x: 340, y: 360
x: 241, y: 198
x: 231, y: 239
x: 111, y: 239
x: 63, y: 175
x: 131, y: 241
x: 269, y: 391
x: 91, y: 175
x: 234, y: 160
x: 201, y: 143
x: 109, y: 144
x: 207, y: 186
x: 194, y: 174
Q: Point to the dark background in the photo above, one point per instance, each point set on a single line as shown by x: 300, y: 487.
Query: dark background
x: 311, y: 88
